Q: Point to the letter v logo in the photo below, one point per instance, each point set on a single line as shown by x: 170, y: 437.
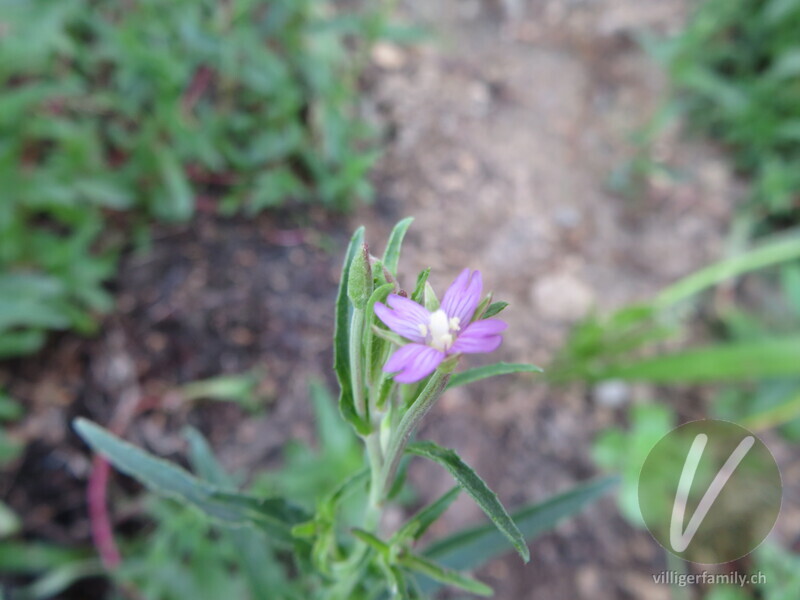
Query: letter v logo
x: 680, y: 540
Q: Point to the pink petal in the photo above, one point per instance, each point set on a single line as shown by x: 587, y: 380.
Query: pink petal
x: 463, y: 296
x: 479, y: 337
x: 406, y: 317
x: 413, y: 362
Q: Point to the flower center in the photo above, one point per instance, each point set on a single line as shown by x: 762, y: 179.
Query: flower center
x: 441, y: 330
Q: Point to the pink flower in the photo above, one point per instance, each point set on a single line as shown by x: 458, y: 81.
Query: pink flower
x: 435, y: 336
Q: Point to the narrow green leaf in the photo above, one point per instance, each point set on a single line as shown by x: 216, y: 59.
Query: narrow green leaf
x: 784, y: 412
x: 343, y: 491
x: 429, y: 299
x: 241, y: 388
x: 59, y: 579
x: 494, y: 308
x: 375, y: 350
x: 371, y: 540
x: 481, y: 309
x: 399, y: 583
x: 203, y: 461
x: 740, y: 361
x: 34, y: 557
x: 444, y: 575
x: 419, y: 523
x: 274, y: 515
x: 391, y: 257
x: 476, y: 546
x: 341, y: 338
x: 780, y: 250
x: 418, y: 295
x: 379, y: 295
x: 502, y: 368
x: 389, y: 336
x: 259, y: 565
x: 475, y: 487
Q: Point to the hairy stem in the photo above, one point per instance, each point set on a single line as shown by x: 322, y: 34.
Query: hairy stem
x: 400, y: 436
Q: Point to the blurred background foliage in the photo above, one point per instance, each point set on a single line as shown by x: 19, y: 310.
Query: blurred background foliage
x: 736, y: 73
x: 115, y: 114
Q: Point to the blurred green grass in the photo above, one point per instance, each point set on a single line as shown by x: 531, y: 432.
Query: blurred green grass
x: 736, y: 72
x: 111, y: 107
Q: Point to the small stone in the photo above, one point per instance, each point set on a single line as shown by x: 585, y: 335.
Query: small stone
x: 612, y: 393
x: 388, y: 56
x: 562, y: 297
x: 567, y: 217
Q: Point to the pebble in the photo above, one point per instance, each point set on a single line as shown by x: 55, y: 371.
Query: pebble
x: 612, y: 393
x: 562, y: 297
x: 388, y: 56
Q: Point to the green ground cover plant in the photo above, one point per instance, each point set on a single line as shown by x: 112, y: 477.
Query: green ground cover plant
x: 736, y: 72
x: 113, y: 115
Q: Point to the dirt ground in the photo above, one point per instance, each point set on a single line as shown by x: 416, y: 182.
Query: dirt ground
x: 506, y: 133
x: 502, y: 134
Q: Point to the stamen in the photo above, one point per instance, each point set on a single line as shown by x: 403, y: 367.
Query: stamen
x: 455, y: 323
x: 423, y: 329
x: 441, y: 338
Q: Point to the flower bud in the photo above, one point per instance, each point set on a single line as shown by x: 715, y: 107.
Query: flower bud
x: 359, y: 281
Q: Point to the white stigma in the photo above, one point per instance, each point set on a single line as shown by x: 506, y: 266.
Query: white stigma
x: 440, y: 327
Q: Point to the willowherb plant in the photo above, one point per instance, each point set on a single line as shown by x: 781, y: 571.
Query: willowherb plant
x: 395, y: 354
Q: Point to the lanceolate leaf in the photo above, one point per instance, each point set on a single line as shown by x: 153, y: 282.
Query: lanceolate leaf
x: 473, y: 547
x: 419, y: 523
x: 391, y: 258
x: 262, y: 571
x: 274, y: 515
x: 341, y: 341
x: 477, y: 488
x: 479, y: 373
x: 444, y: 575
x: 203, y: 462
x: 370, y: 539
x: 494, y: 308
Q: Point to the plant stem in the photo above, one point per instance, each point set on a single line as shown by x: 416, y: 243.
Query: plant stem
x: 375, y: 503
x: 356, y: 363
x: 399, y: 437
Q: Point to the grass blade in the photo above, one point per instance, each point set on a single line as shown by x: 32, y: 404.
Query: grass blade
x: 775, y: 357
x: 778, y: 251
